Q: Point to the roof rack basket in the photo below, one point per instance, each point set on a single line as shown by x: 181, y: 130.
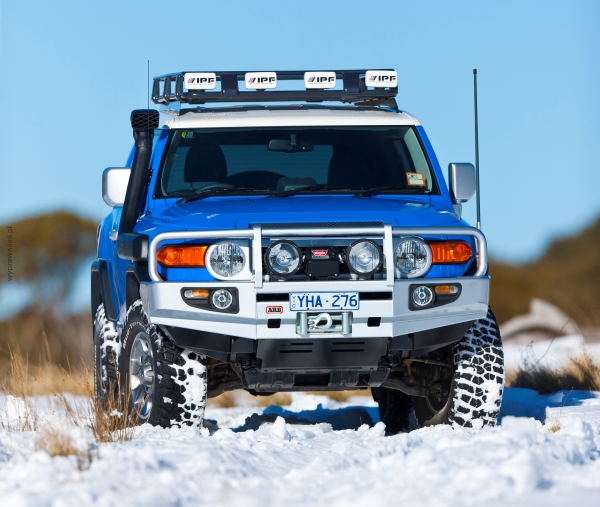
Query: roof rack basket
x: 170, y: 88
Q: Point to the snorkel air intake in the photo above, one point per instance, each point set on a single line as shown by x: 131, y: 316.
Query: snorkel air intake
x: 131, y: 245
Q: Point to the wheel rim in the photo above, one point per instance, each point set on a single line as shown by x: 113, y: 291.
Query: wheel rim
x: 435, y: 404
x: 141, y: 375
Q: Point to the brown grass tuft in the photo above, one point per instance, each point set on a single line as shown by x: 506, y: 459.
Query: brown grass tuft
x: 107, y: 421
x: 581, y: 373
x: 279, y: 399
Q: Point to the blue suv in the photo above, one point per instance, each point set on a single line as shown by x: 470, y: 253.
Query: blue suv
x: 307, y: 243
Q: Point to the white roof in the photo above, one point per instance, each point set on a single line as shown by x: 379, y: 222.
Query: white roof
x: 287, y: 118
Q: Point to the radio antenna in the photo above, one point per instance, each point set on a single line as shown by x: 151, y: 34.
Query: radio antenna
x: 148, y: 84
x: 477, y: 151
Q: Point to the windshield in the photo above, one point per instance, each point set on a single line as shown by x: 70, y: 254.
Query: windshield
x: 278, y: 160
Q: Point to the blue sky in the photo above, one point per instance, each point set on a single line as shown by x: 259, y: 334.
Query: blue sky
x: 71, y: 72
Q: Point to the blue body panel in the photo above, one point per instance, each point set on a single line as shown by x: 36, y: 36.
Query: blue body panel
x: 238, y: 212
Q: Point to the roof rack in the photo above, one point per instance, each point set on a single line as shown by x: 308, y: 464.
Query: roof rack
x: 170, y: 87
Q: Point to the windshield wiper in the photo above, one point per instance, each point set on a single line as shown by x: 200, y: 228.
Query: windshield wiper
x: 209, y: 192
x: 310, y: 188
x: 380, y: 190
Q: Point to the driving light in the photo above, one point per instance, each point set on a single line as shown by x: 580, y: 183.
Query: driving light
x: 364, y: 257
x: 227, y: 259
x: 422, y: 296
x: 222, y: 299
x: 283, y: 258
x: 189, y: 256
x: 412, y: 257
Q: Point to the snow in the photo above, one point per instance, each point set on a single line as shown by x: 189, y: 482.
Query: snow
x: 318, y: 452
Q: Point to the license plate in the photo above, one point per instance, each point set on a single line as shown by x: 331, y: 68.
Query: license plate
x: 317, y: 301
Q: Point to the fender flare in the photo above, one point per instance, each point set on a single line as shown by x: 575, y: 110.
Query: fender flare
x: 101, y: 290
x: 135, y: 274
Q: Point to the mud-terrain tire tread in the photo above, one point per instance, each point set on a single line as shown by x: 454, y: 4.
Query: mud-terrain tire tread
x: 479, y: 377
x: 478, y: 383
x: 107, y: 347
x: 180, y: 374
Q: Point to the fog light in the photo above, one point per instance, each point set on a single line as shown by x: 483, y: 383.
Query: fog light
x: 222, y: 299
x: 196, y: 294
x: 446, y: 290
x: 422, y: 296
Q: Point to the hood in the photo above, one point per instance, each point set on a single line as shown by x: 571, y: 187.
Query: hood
x: 239, y: 213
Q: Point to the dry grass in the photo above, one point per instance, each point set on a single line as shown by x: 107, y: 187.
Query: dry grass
x: 279, y: 399
x: 236, y: 398
x: 581, y: 373
x: 225, y: 400
x: 107, y: 421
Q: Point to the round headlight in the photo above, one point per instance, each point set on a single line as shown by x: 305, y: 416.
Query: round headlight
x: 227, y: 259
x: 364, y: 257
x: 283, y: 258
x: 412, y: 257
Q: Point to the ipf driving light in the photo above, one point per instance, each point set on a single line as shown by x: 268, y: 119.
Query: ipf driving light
x: 364, y: 257
x: 283, y: 258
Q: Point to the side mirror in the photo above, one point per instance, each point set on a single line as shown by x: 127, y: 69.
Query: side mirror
x: 114, y: 185
x: 461, y: 178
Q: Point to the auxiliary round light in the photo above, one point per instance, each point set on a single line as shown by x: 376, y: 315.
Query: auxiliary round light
x: 222, y: 299
x: 227, y: 259
x: 412, y: 257
x: 364, y: 257
x: 422, y: 296
x: 283, y: 258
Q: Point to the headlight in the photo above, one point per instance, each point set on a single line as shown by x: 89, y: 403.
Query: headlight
x: 227, y: 259
x: 283, y: 258
x: 412, y: 257
x: 364, y: 257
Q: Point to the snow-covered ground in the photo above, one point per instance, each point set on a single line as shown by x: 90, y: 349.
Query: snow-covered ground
x: 317, y: 452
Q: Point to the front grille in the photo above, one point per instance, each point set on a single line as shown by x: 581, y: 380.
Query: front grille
x: 315, y: 225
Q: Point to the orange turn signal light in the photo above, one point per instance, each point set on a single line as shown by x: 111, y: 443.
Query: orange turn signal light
x: 446, y: 290
x: 188, y: 256
x: 196, y: 294
x: 450, y: 252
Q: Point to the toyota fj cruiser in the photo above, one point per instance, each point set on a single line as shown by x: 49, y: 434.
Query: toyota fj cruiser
x: 308, y: 243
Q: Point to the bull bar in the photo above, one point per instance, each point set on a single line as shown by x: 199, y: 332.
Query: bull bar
x: 256, y: 234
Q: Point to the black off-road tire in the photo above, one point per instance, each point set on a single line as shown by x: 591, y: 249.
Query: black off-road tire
x: 478, y: 383
x: 107, y: 347
x: 395, y: 408
x: 180, y: 387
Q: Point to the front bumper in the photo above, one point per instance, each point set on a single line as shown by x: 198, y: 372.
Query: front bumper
x: 275, y: 352
x: 165, y: 306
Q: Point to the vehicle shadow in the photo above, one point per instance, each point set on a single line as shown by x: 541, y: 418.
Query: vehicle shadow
x: 347, y: 418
